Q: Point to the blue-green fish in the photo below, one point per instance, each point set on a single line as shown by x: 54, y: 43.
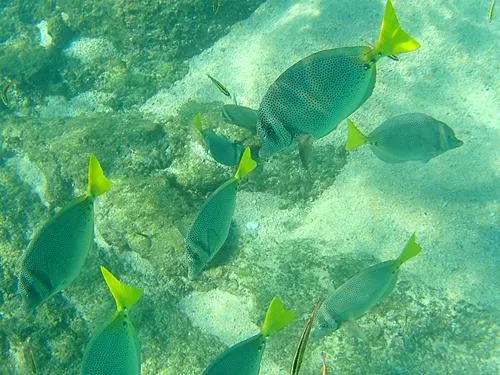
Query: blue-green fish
x: 114, y: 349
x: 360, y: 293
x: 241, y: 116
x: 56, y: 254
x: 412, y: 136
x: 219, y: 147
x: 211, y: 227
x: 244, y: 358
x: 313, y: 96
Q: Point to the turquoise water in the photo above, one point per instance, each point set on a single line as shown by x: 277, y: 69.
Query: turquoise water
x: 124, y: 81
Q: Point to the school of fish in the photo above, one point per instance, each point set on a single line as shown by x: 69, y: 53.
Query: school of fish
x: 306, y: 102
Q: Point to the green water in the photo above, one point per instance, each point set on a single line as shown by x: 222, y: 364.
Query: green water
x: 124, y: 80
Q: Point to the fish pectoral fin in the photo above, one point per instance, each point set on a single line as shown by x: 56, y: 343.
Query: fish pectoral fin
x: 354, y: 329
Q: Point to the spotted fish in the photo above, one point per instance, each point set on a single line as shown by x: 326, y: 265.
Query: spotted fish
x: 244, y: 358
x: 114, y: 349
x: 56, y: 254
x: 360, y: 293
x: 314, y: 95
x: 211, y: 227
x: 412, y: 136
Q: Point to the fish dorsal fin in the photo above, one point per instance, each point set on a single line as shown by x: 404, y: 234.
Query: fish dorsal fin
x: 393, y: 39
x: 247, y: 164
x: 98, y: 183
x: 411, y: 249
x: 277, y: 318
x: 355, y: 138
x: 125, y: 296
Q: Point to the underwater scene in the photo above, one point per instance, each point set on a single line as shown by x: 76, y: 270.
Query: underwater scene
x: 249, y: 187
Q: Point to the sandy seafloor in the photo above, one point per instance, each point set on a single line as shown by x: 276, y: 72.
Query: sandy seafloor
x: 442, y: 317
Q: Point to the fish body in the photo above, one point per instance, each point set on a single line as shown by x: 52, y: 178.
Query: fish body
x: 211, y: 227
x: 359, y: 294
x: 407, y: 137
x: 244, y: 358
x: 222, y: 149
x: 219, y: 85
x: 304, y: 338
x: 315, y: 94
x: 241, y: 116
x: 219, y: 147
x: 56, y: 254
x: 114, y: 348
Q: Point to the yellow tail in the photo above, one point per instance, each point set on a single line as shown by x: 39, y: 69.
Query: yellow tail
x: 125, y: 296
x: 197, y: 122
x: 411, y: 249
x: 98, y: 182
x: 277, y: 318
x: 355, y: 138
x: 393, y: 39
x: 247, y: 164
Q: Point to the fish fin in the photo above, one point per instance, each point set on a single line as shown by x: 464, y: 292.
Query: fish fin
x: 197, y: 122
x: 125, y: 296
x: 354, y: 329
x: 393, y: 39
x: 305, y: 147
x: 411, y: 249
x: 277, y: 318
x: 247, y: 164
x: 98, y: 182
x: 355, y: 138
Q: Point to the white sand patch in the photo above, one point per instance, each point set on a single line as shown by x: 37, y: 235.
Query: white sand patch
x: 221, y: 314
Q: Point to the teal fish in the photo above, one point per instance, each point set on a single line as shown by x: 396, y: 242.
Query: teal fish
x: 241, y: 116
x: 211, y: 227
x: 244, y: 358
x: 314, y: 95
x: 220, y: 148
x: 360, y: 293
x: 114, y: 349
x: 412, y: 136
x: 56, y: 254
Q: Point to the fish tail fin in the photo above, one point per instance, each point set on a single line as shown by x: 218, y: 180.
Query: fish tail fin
x: 277, y: 318
x: 355, y: 138
x: 125, y: 296
x: 197, y: 122
x: 411, y: 249
x: 247, y: 164
x: 98, y: 182
x: 393, y: 39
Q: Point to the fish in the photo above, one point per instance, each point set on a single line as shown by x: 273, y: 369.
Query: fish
x: 241, y: 116
x: 215, y: 6
x: 324, y: 369
x: 360, y: 293
x: 219, y: 147
x: 304, y: 338
x: 57, y: 252
x: 244, y: 358
x: 5, y: 100
x: 318, y: 92
x: 407, y: 137
x: 114, y: 349
x: 211, y: 226
x: 491, y: 10
x: 220, y: 86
